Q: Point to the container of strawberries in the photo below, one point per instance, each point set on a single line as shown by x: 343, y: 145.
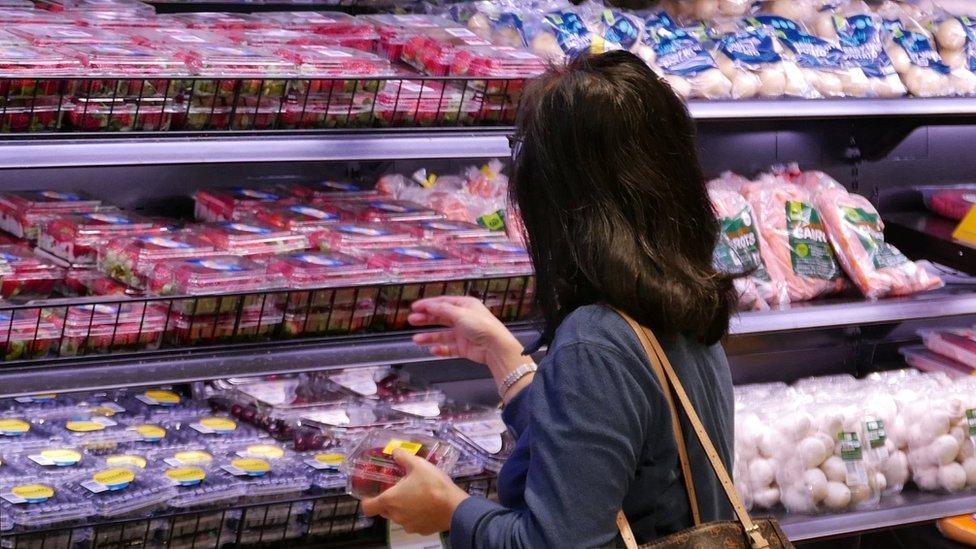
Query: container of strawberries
x: 371, y: 469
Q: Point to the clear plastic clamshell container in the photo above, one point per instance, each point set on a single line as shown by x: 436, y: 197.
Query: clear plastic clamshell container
x: 356, y: 237
x: 321, y: 22
x: 118, y: 6
x: 958, y: 345
x: 372, y: 470
x: 105, y: 327
x: 118, y: 490
x: 23, y: 212
x: 925, y: 360
x: 218, y: 60
x: 117, y: 20
x: 432, y: 51
x: 30, y: 276
x: 42, y: 502
x: 496, y: 62
x: 337, y: 62
x: 326, y: 426
x: 220, y: 20
x: 160, y: 402
x: 213, y: 275
x: 216, y: 431
x: 444, y: 232
x: 119, y: 60
x: 483, y: 435
x: 173, y: 38
x: 18, y: 433
x: 33, y: 64
x: 386, y: 210
x: 66, y: 35
x: 233, y: 204
x: 298, y: 217
x: 132, y: 260
x: 282, y: 396
x: 86, y: 281
x: 330, y: 190
x: 413, y: 102
x: 75, y: 238
x: 93, y: 432
x: 252, y: 239
x: 380, y: 383
x: 324, y: 270
x: 395, y: 29
x: 264, y: 477
x: 199, y: 482
x: 422, y: 271
x: 55, y: 460
x: 323, y: 468
x: 25, y: 334
x: 16, y: 16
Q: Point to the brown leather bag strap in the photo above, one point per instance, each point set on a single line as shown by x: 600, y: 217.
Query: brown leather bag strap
x: 659, y: 361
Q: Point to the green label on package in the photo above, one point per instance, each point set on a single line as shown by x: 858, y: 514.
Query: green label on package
x: 971, y: 421
x: 810, y: 252
x: 850, y: 446
x: 867, y: 227
x: 494, y: 221
x: 875, y: 433
x: 737, y: 250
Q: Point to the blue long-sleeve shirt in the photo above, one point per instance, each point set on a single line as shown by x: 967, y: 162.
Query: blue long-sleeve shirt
x: 593, y: 433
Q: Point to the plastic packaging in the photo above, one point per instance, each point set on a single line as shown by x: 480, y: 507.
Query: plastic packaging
x: 158, y: 403
x: 75, y: 238
x: 298, y: 218
x: 105, y: 327
x: 860, y: 38
x: 233, y: 204
x: 23, y: 212
x: 324, y: 468
x: 750, y: 60
x: 384, y: 210
x: 118, y: 491
x: 483, y: 435
x: 132, y: 260
x: 416, y: 103
x: 329, y: 23
x: 28, y: 276
x: 439, y: 233
x: 54, y: 461
x: 432, y: 51
x: 86, y: 281
x: 18, y: 433
x: 682, y: 60
x: 738, y: 251
x: 17, y: 59
x: 207, y: 276
x: 949, y: 201
x: 120, y: 60
x: 329, y: 191
x: 222, y: 21
x: 917, y: 61
x: 371, y: 468
x: 507, y: 286
x: 395, y: 29
x: 326, y: 426
x: 793, y: 239
x: 193, y: 471
x: 92, y: 431
x: 558, y: 34
x: 217, y: 432
x: 334, y: 62
x: 252, y: 240
x: 42, y: 503
x: 925, y: 360
x: 497, y: 62
x: 252, y: 324
x: 352, y: 238
x: 422, y: 271
x: 59, y: 36
x: 959, y: 345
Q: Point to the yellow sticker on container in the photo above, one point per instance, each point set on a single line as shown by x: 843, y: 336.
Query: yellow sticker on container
x: 114, y: 478
x: 103, y: 411
x: 150, y: 433
x: 84, y: 426
x: 266, y: 451
x: 218, y: 424
x: 33, y: 492
x: 163, y: 398
x: 412, y: 447
x: 192, y: 456
x: 13, y: 427
x: 127, y: 459
x: 61, y: 456
x: 186, y: 475
x: 252, y: 466
x: 332, y: 460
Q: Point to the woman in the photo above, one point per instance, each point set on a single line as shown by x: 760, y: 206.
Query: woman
x: 616, y: 216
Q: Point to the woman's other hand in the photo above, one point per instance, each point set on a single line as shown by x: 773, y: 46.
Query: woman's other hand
x: 423, y: 501
x: 472, y: 333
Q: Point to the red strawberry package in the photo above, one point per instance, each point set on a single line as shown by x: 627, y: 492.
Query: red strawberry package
x: 372, y: 470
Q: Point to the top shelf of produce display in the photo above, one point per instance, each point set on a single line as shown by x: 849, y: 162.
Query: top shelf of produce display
x: 75, y: 68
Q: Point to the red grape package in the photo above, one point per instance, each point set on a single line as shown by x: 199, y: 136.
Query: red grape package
x: 949, y: 201
x: 372, y: 470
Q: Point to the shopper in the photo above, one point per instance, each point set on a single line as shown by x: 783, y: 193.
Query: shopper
x: 616, y: 214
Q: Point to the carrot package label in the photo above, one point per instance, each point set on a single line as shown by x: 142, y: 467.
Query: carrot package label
x: 867, y: 227
x: 738, y: 248
x: 810, y: 252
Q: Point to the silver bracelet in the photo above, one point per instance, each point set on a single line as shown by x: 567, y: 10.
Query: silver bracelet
x: 515, y: 375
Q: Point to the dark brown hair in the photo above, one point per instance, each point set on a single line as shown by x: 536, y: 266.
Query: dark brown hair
x: 614, y: 201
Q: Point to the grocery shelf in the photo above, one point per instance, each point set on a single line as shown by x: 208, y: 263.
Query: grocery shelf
x: 802, y: 109
x: 133, y: 151
x: 96, y: 373
x: 853, y: 312
x: 909, y: 508
x: 925, y: 235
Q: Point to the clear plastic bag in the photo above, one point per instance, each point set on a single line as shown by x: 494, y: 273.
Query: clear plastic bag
x: 956, y: 38
x: 793, y: 242
x: 859, y: 34
x: 856, y: 232
x: 557, y: 33
x: 914, y: 55
x: 681, y: 60
x: 750, y: 58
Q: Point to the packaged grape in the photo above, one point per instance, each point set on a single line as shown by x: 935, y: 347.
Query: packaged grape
x: 299, y: 218
x: 507, y: 284
x: 19, y: 434
x: 395, y: 29
x: 432, y: 103
x: 749, y: 58
x: 207, y: 276
x: 351, y: 238
x: 385, y: 210
x: 250, y: 325
x: 423, y: 405
x: 43, y: 503
x: 19, y: 60
x: 324, y: 191
x: 328, y: 426
x: 107, y: 327
x: 86, y: 281
x: 27, y: 275
x: 221, y: 21
x: 859, y: 35
x: 679, y: 57
x: 283, y: 396
x: 54, y: 460
x: 483, y: 435
x: 233, y: 204
x: 373, y: 383
x: 252, y: 240
x: 132, y: 260
x: 74, y: 238
x: 421, y: 271
x: 22, y: 212
x: 59, y: 36
x: 958, y: 344
x: 371, y: 468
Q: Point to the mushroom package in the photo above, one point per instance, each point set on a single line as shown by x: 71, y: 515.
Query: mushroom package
x: 681, y: 60
x: 859, y: 36
x: 750, y: 59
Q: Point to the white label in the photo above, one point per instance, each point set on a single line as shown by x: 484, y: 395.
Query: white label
x: 244, y: 228
x: 337, y: 417
x: 365, y: 231
x: 357, y: 381
x: 163, y: 242
x: 427, y: 408
x: 271, y: 394
x: 71, y: 33
x: 110, y: 219
x: 485, y: 434
x: 187, y: 39
x: 333, y: 53
x: 460, y: 33
x: 313, y: 212
x: 522, y: 54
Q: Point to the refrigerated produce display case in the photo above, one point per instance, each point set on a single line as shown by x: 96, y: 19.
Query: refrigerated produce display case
x: 205, y: 291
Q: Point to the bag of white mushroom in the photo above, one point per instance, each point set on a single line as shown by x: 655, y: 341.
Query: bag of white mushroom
x: 835, y: 444
x: 679, y: 57
x: 750, y: 57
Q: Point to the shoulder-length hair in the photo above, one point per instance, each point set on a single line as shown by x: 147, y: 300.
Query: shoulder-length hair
x: 613, y: 198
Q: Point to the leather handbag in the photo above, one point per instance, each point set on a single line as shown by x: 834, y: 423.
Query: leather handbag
x: 743, y: 532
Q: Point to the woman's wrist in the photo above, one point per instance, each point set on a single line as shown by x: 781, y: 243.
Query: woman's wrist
x: 505, y: 357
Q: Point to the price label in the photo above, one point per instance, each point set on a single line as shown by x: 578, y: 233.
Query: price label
x: 966, y: 231
x: 393, y: 444
x: 328, y: 461
x: 853, y: 456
